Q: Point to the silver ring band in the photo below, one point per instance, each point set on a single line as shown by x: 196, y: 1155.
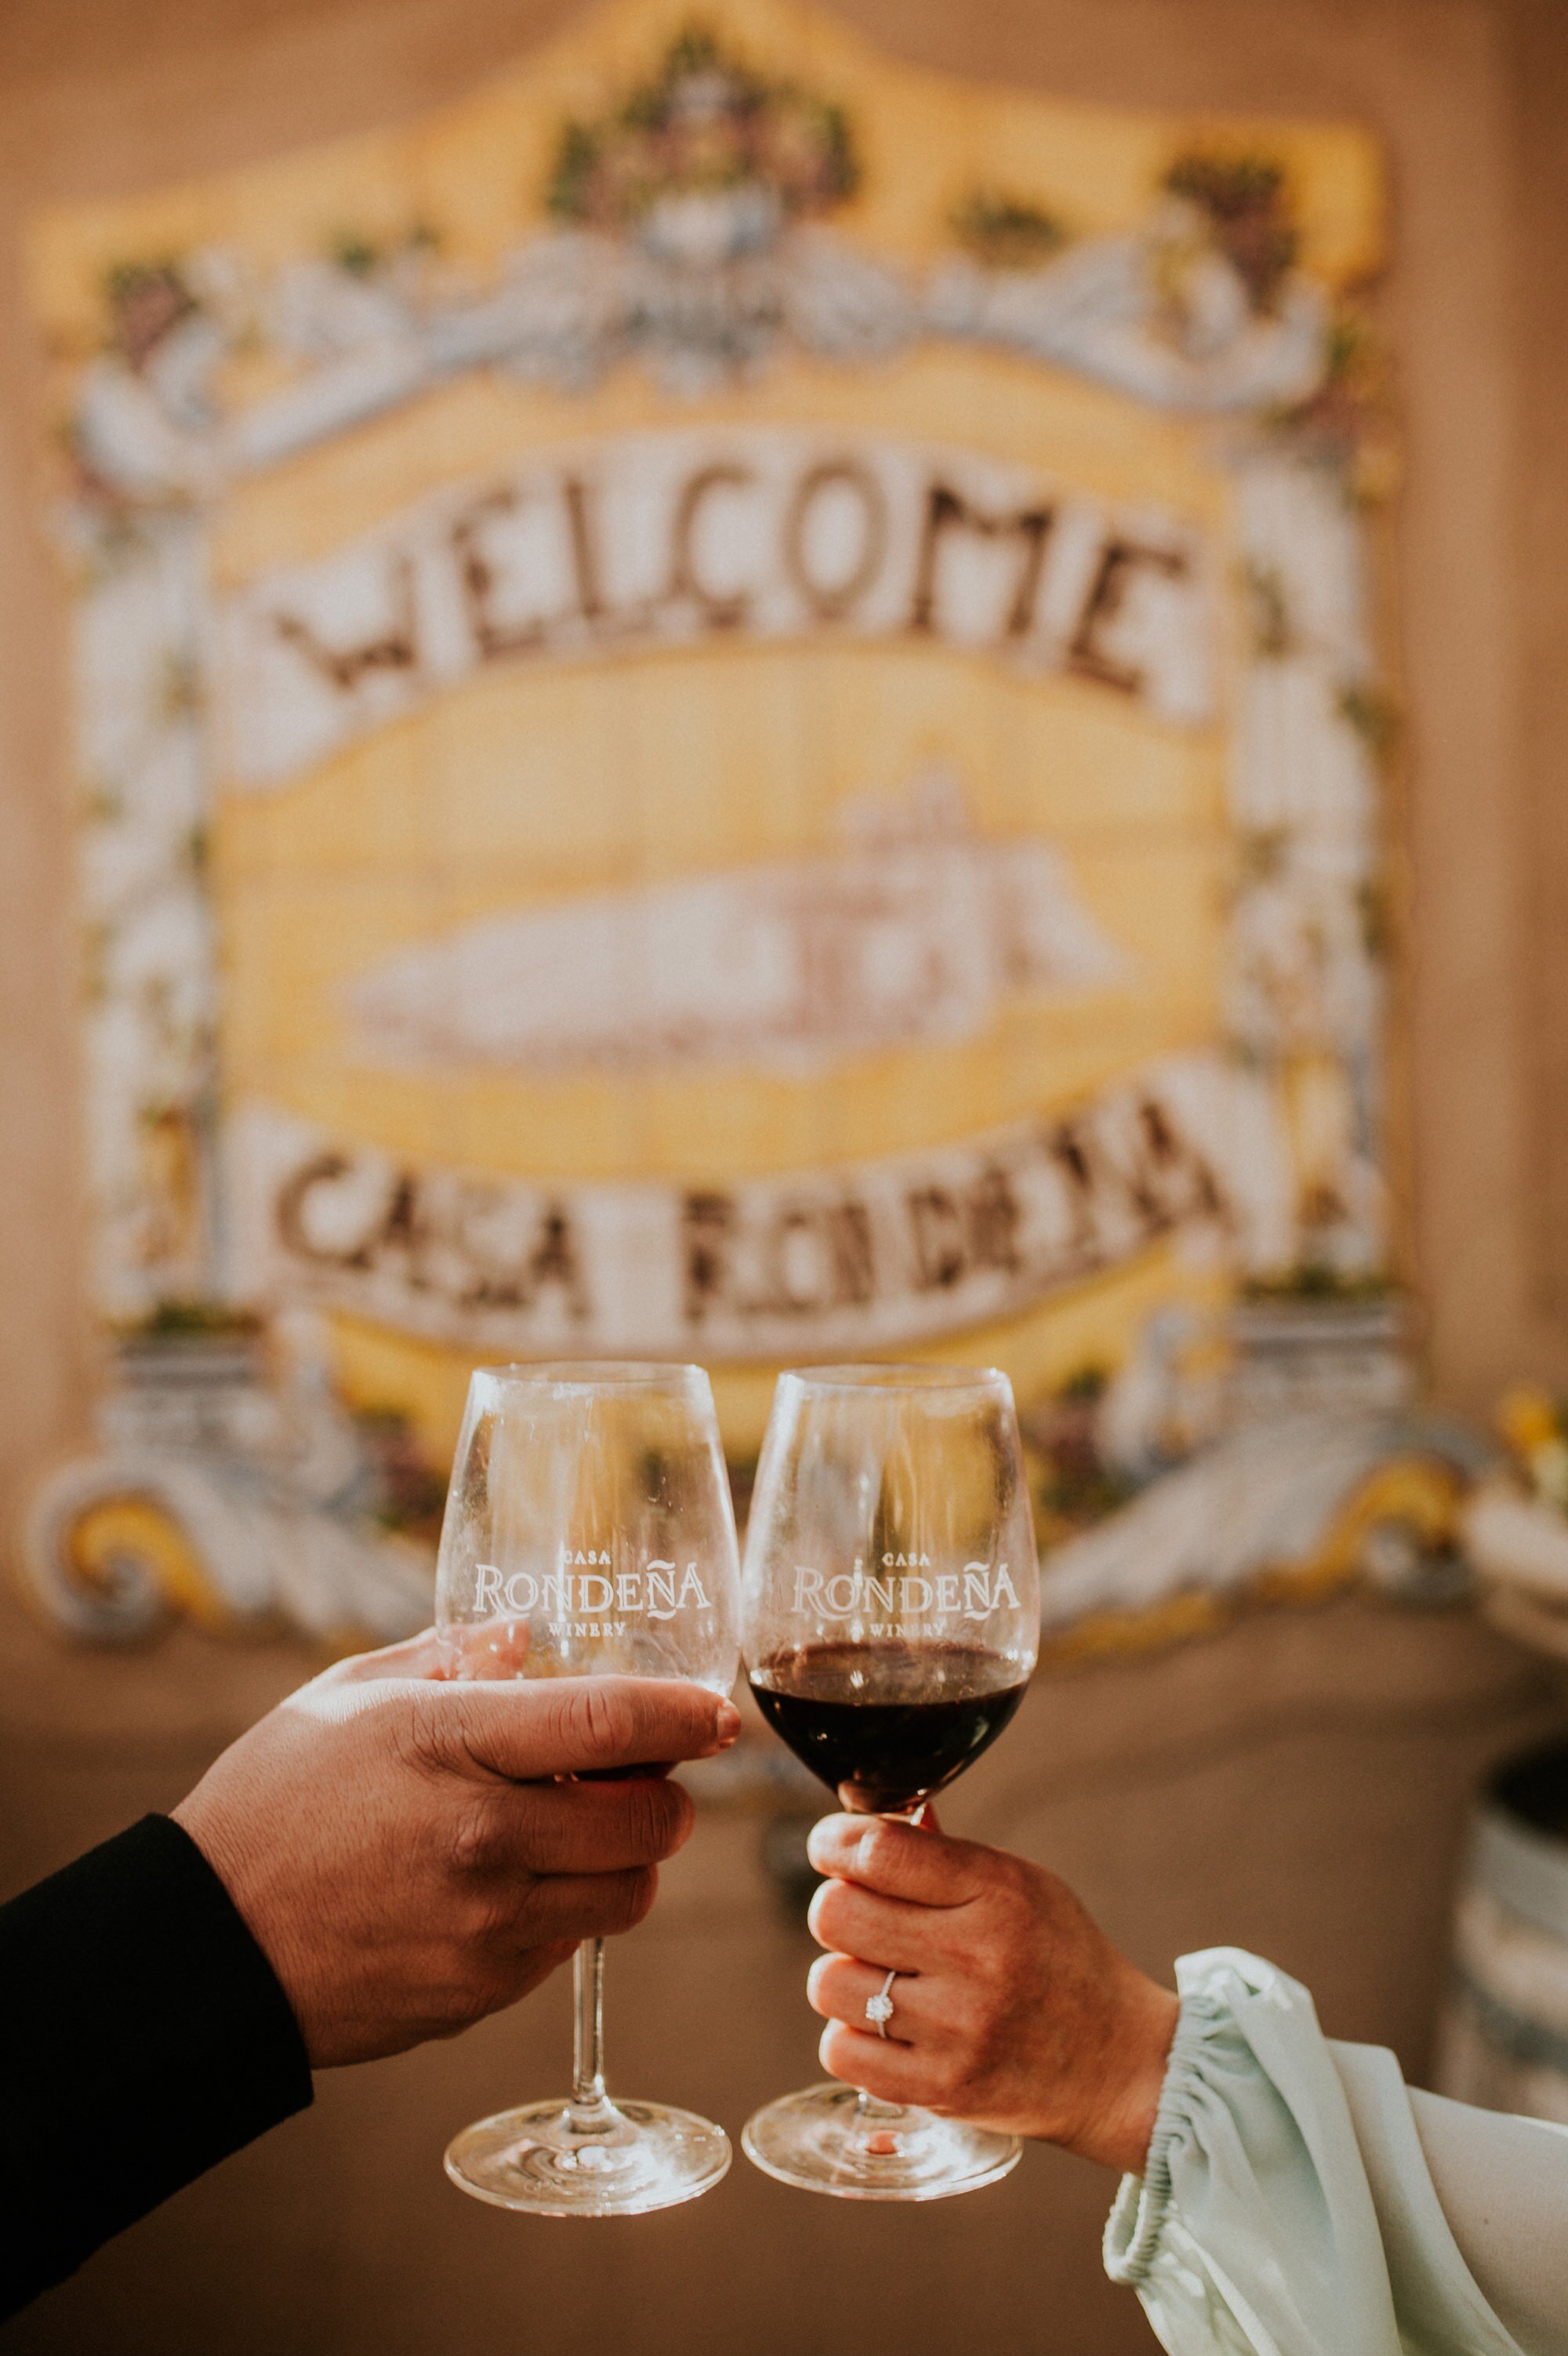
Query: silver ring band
x: 879, y: 2007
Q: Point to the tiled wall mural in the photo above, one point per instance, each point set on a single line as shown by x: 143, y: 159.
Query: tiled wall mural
x: 729, y: 706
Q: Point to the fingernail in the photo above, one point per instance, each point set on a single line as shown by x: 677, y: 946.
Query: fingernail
x: 726, y: 1725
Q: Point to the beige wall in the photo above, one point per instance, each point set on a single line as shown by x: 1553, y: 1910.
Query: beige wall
x: 1541, y: 516
x: 99, y: 96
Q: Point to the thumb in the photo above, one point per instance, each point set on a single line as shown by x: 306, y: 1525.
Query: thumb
x: 576, y: 1726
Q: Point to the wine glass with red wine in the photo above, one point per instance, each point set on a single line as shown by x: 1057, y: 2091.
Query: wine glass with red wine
x: 890, y: 1620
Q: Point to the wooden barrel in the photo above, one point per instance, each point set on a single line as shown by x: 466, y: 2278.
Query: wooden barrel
x: 1503, y: 2040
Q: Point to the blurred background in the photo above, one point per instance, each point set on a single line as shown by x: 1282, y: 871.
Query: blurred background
x: 767, y: 684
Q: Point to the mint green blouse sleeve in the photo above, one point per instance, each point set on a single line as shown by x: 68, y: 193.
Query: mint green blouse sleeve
x: 1286, y: 2207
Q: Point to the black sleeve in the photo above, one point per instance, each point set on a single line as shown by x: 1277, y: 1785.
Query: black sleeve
x: 144, y: 2037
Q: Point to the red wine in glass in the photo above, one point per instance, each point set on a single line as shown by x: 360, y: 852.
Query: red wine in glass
x: 886, y: 1727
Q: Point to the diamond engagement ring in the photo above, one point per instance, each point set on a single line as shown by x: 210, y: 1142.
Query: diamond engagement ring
x: 879, y: 2007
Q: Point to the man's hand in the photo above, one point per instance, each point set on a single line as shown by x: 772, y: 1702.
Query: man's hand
x: 401, y: 1854
x: 1011, y: 2010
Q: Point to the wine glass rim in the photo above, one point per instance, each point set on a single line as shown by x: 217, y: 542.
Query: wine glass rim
x: 915, y: 1375
x: 592, y: 1373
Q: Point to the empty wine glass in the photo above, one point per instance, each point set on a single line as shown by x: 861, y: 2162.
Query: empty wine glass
x: 890, y: 1621
x: 589, y: 1531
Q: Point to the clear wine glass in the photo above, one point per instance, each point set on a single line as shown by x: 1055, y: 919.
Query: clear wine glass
x: 589, y: 1531
x: 889, y: 1620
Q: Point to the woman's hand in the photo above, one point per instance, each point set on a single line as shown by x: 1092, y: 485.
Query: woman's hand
x: 1010, y: 2010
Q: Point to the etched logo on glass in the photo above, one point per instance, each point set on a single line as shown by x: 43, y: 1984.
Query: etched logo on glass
x: 587, y: 1595
x: 904, y: 1591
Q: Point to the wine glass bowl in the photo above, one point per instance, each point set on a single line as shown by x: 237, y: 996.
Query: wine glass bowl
x: 890, y: 1623
x: 589, y: 1528
x: 589, y: 1531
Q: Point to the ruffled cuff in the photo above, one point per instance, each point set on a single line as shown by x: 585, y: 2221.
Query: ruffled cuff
x: 1143, y: 2203
x: 1285, y: 2206
x: 1251, y: 2229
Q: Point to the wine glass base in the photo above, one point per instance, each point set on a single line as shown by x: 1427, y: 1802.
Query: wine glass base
x: 535, y: 2159
x: 817, y: 2140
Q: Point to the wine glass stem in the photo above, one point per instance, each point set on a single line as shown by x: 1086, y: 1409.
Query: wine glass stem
x: 871, y: 2115
x: 592, y: 2112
